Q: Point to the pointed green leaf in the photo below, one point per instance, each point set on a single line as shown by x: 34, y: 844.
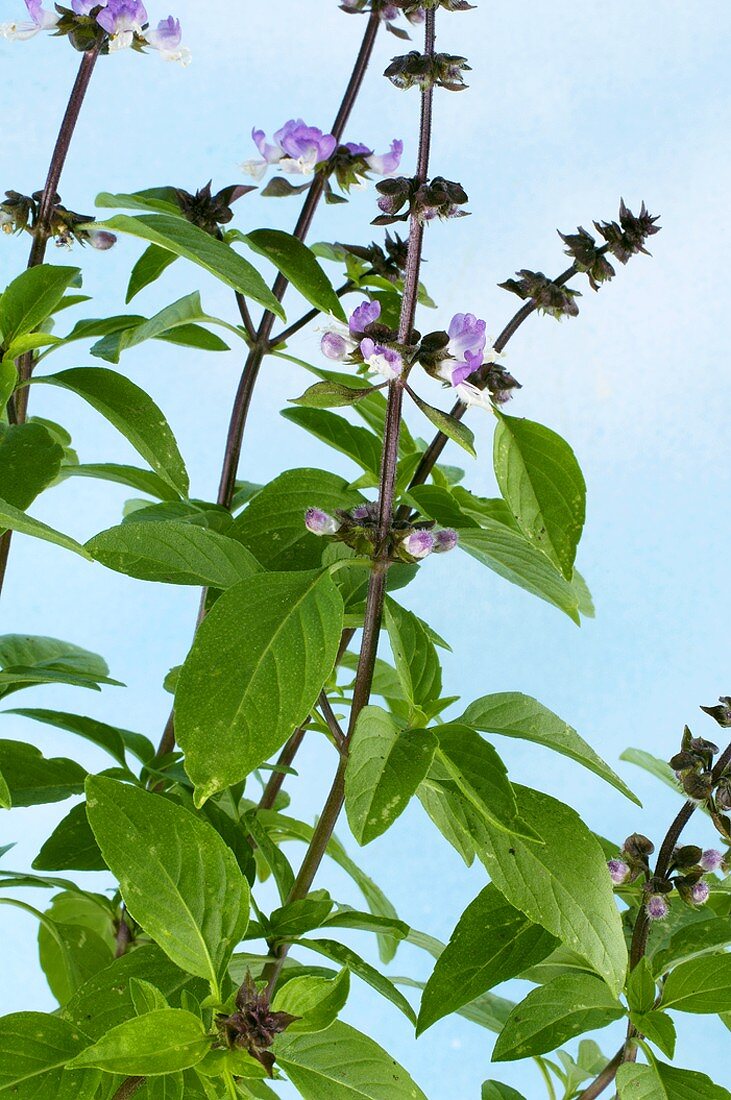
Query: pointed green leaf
x: 144, y: 481
x: 448, y: 425
x: 178, y: 878
x: 110, y: 738
x: 331, y: 395
x: 691, y: 940
x: 512, y: 714
x: 491, y: 943
x: 543, y: 484
x: 182, y: 314
x: 257, y: 665
x: 162, y: 1041
x: 34, y: 780
x: 30, y: 460
x: 30, y: 298
x: 701, y: 985
x: 496, y: 1090
x: 316, y: 1001
x: 71, y: 846
x: 32, y: 1044
x: 357, y: 443
x: 663, y: 1082
x: 415, y: 656
x: 298, y: 264
x: 153, y: 262
x: 346, y: 956
x: 385, y: 766
x: 133, y: 413
x: 658, y: 1028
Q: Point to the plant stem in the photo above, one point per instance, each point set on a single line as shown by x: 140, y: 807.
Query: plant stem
x: 377, y: 581
x: 18, y: 404
x: 641, y: 931
x: 129, y: 1088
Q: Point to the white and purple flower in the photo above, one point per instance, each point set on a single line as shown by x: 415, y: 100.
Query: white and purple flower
x: 711, y: 860
x: 466, y: 352
x: 297, y: 148
x: 700, y: 893
x: 40, y: 20
x: 418, y: 544
x: 122, y: 20
x: 321, y: 523
x: 384, y: 360
x: 383, y: 164
x: 339, y: 342
x: 445, y: 540
x: 657, y: 908
x: 618, y: 871
x: 166, y: 39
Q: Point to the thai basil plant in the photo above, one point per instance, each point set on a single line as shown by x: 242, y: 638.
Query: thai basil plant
x: 183, y: 980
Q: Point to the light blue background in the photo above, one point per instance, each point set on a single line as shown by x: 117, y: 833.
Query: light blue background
x: 570, y: 107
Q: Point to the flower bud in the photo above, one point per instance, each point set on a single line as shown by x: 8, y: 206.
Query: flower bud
x: 711, y: 860
x: 418, y: 544
x: 618, y: 871
x: 657, y: 908
x: 697, y: 785
x: 445, y: 540
x: 334, y: 346
x: 722, y: 713
x: 638, y: 846
x: 100, y: 239
x: 320, y: 523
x: 687, y: 856
x: 700, y: 893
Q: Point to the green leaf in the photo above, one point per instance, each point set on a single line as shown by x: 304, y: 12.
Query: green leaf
x: 133, y: 413
x: 495, y: 1090
x: 30, y: 460
x: 32, y: 659
x: 357, y: 443
x: 71, y: 846
x: 300, y: 916
x: 448, y: 425
x: 30, y: 298
x: 162, y: 1041
x: 385, y: 766
x: 654, y: 765
x: 554, y: 1013
x: 701, y: 985
x: 491, y: 943
x: 415, y: 656
x: 182, y: 314
x: 446, y: 808
x: 298, y: 264
x: 6, y: 800
x: 178, y: 878
x: 332, y: 395
x: 543, y: 484
x: 562, y: 885
x: 257, y: 665
x: 31, y: 1044
x: 15, y: 520
x: 146, y: 997
x: 342, y: 1063
x: 157, y: 199
x: 482, y: 778
x: 346, y: 956
x: 105, y: 1000
x: 8, y: 382
x: 512, y: 714
x: 699, y: 938
x: 34, y: 780
x: 75, y: 941
x: 439, y: 503
x: 663, y: 1082
x: 145, y: 481
x: 658, y: 1028
x: 174, y: 553
x: 512, y: 557
x: 110, y: 738
x: 153, y: 262
x: 316, y: 1001
x: 273, y: 528
x: 185, y: 239
x: 641, y: 989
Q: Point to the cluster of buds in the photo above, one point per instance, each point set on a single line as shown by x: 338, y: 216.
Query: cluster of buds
x: 387, y: 260
x: 460, y: 358
x: 693, y: 766
x: 387, y: 11
x: 548, y: 295
x: 632, y: 861
x: 103, y: 25
x: 442, y: 70
x: 20, y: 212
x: 627, y: 238
x: 206, y: 210
x: 588, y: 257
x: 439, y: 198
x: 359, y: 529
x: 253, y: 1027
x: 301, y: 150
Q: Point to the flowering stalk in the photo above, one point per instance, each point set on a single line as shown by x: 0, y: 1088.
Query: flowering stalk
x: 377, y: 581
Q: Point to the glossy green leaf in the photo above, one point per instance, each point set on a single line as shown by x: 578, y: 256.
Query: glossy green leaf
x: 33, y: 779
x: 542, y: 483
x: 342, y: 1063
x: 32, y: 1044
x: 658, y: 1028
x: 185, y: 239
x: 562, y: 884
x: 75, y: 941
x: 552, y: 1014
x: 654, y: 766
x: 357, y: 443
x: 186, y: 314
x: 144, y: 481
x: 414, y: 655
x: 161, y: 200
x: 178, y: 878
x: 30, y: 460
x: 346, y: 956
x: 447, y: 424
x: 153, y: 262
x: 133, y: 413
x: 449, y: 812
x: 257, y: 665
x: 641, y: 989
x: 174, y: 553
x: 514, y: 558
x: 700, y: 985
x: 663, y: 1082
x: 273, y: 528
x: 6, y: 799
x: 512, y: 714
x: 385, y: 766
x: 111, y: 738
x: 71, y: 846
x: 162, y: 1041
x: 691, y: 940
x: 298, y: 264
x: 316, y: 1001
x: 14, y: 519
x: 481, y: 777
x: 31, y: 297
x: 491, y: 943
x: 496, y: 1090
x: 332, y: 395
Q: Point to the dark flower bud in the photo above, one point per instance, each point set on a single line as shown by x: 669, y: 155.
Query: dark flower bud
x: 440, y: 198
x: 209, y: 211
x: 415, y: 69
x: 703, y: 748
x: 638, y: 846
x: 687, y: 856
x: 500, y: 383
x: 588, y: 257
x: 682, y: 760
x: 722, y: 796
x: 394, y: 194
x: 17, y: 212
x: 253, y: 1026
x: 388, y: 261
x: 411, y: 7
x: 547, y: 295
x: 697, y: 785
x: 628, y: 237
x: 722, y: 713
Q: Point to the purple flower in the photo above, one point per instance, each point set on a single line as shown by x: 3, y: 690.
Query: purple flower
x: 445, y: 540
x: 297, y: 148
x: 657, y: 908
x: 360, y: 512
x: 700, y: 893
x: 618, y: 871
x: 320, y: 523
x: 385, y: 361
x: 101, y: 239
x: 418, y: 544
x: 711, y: 860
x: 122, y: 20
x: 363, y: 315
x: 166, y: 39
x: 466, y: 347
x: 335, y: 346
x: 386, y: 163
x: 85, y: 7
x: 41, y: 20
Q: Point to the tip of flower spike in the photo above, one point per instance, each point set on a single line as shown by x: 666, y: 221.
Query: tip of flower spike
x: 618, y: 871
